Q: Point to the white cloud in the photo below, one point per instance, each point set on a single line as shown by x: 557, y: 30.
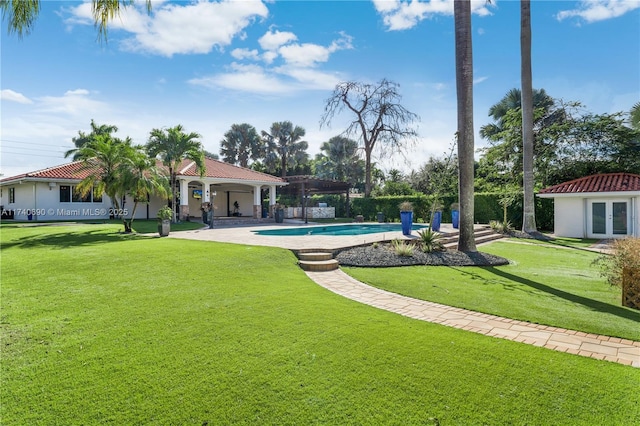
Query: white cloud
x: 294, y: 72
x: 244, y: 53
x: 599, y: 10
x: 272, y: 40
x: 194, y: 28
x: 479, y: 80
x: 10, y: 95
x: 73, y: 102
x: 245, y: 78
x: 405, y: 14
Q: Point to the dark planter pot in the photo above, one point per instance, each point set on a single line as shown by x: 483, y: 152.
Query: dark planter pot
x: 407, y: 220
x: 455, y: 218
x: 380, y: 217
x: 435, y: 225
x: 164, y: 227
x: 279, y: 213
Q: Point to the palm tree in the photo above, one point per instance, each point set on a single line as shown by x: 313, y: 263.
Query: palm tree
x: 141, y: 179
x: 283, y: 147
x: 340, y: 160
x: 241, y: 144
x: 103, y: 157
x: 635, y: 116
x: 84, y: 138
x: 513, y: 101
x: 464, y: 89
x: 22, y: 14
x: 172, y: 146
x: 528, y: 213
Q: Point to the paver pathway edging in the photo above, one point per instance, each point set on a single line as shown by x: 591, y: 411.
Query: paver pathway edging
x: 607, y: 348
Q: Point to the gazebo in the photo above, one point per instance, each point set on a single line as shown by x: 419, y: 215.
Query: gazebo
x: 306, y: 185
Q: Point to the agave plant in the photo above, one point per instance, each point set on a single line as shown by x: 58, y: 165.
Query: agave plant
x: 401, y: 248
x: 430, y: 240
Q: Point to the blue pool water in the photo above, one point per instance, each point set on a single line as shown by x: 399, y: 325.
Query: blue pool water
x: 355, y: 229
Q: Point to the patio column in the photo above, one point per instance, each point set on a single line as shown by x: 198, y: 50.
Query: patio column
x: 206, y: 197
x: 257, y: 202
x: 272, y: 199
x: 184, y: 199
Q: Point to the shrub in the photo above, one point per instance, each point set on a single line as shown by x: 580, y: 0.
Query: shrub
x: 165, y: 213
x: 501, y: 227
x: 430, y: 240
x: 622, y: 269
x: 405, y: 206
x: 402, y: 249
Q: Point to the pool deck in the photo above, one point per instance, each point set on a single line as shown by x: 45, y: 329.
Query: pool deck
x: 244, y: 235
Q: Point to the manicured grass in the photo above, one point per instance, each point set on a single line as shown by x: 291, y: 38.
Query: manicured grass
x: 546, y: 284
x: 100, y: 327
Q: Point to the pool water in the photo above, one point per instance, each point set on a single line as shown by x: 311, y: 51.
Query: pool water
x: 355, y: 229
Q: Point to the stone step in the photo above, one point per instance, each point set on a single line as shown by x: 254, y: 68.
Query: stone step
x: 318, y: 265
x: 482, y: 235
x: 315, y: 256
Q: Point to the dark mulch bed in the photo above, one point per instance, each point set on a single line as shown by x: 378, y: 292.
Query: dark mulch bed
x: 383, y: 255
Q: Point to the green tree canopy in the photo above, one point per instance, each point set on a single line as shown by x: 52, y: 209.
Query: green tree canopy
x: 241, y: 145
x: 284, y: 147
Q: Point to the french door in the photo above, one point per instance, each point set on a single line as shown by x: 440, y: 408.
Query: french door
x: 607, y: 218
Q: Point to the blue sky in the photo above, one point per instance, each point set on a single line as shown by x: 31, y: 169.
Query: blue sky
x: 207, y: 65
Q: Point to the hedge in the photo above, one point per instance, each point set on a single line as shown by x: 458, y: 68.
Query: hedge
x: 487, y: 208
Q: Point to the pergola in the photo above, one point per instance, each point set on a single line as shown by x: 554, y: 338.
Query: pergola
x: 306, y: 185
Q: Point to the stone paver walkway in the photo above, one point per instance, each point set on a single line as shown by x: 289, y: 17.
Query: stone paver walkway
x: 613, y: 349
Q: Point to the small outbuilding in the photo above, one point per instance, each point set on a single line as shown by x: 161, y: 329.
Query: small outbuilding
x: 597, y: 206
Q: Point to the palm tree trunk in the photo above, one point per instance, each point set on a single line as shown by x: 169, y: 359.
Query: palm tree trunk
x: 528, y: 214
x: 464, y: 88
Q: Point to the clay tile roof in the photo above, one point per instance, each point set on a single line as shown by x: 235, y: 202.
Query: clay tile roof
x: 214, y: 169
x: 610, y: 182
x: 222, y: 170
x: 72, y: 171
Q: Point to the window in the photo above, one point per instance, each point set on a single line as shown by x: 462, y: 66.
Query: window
x: 77, y: 197
x: 96, y: 198
x: 65, y: 194
x: 12, y: 195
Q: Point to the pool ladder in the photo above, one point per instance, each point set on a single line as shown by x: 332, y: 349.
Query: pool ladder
x: 317, y: 261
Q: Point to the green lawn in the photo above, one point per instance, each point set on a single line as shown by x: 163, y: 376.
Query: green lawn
x: 104, y: 328
x: 545, y: 284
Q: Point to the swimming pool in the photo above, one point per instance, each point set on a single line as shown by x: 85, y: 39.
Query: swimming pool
x: 354, y: 229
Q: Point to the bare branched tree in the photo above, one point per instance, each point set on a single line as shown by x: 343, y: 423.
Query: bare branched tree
x: 380, y: 120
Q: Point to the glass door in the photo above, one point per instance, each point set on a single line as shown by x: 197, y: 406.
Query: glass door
x: 607, y: 218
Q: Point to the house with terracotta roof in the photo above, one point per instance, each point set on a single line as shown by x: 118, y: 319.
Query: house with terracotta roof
x: 597, y: 206
x: 49, y: 194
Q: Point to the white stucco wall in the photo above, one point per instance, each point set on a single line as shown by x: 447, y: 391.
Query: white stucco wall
x: 569, y: 217
x: 43, y: 201
x: 571, y: 214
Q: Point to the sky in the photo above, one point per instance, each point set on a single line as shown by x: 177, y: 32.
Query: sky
x: 210, y: 64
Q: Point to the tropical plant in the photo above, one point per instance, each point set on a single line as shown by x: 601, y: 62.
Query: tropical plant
x: 401, y: 248
x: 528, y: 210
x: 165, y: 213
x: 340, y: 160
x: 84, y: 138
x: 22, y: 14
x: 103, y: 157
x: 284, y: 147
x: 241, y: 144
x: 380, y: 121
x: 634, y: 116
x: 172, y: 146
x: 141, y: 179
x: 464, y: 91
x: 430, y: 241
x: 501, y: 227
x: 406, y: 206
